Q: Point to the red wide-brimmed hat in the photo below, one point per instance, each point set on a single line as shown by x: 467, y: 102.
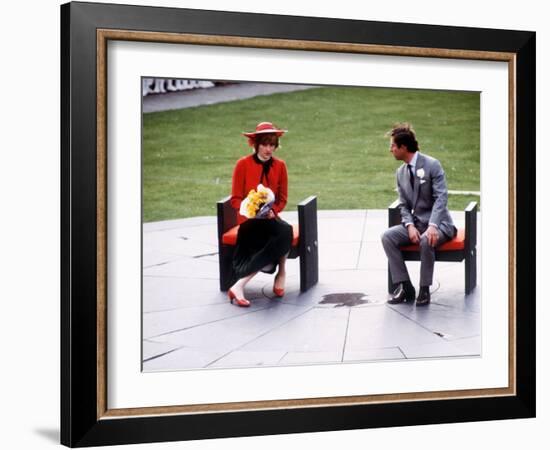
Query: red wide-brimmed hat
x: 263, y: 128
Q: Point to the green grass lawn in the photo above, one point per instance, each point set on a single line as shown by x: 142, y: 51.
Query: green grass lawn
x: 336, y: 147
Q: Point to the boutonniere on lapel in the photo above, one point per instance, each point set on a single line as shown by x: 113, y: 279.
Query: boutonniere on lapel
x: 420, y: 174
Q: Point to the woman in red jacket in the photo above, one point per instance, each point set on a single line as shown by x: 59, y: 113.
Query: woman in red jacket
x: 262, y: 243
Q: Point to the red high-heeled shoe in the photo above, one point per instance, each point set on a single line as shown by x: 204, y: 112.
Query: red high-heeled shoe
x: 238, y: 301
x: 279, y: 292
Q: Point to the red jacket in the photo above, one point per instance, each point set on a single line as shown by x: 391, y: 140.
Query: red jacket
x: 247, y: 175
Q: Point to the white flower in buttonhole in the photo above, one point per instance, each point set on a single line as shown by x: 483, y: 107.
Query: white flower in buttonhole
x: 420, y: 173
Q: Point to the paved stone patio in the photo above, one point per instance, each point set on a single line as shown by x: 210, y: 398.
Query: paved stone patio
x: 188, y: 323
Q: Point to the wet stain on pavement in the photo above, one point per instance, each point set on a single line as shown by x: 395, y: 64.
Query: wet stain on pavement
x: 344, y: 299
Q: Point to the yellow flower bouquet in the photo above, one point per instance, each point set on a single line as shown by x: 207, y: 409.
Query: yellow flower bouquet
x: 257, y: 203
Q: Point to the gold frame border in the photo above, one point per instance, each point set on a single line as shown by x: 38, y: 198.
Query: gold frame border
x: 104, y: 35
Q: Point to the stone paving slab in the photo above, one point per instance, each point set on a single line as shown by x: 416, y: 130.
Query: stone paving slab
x: 381, y: 326
x: 445, y: 322
x: 371, y: 283
x: 154, y: 324
x: 164, y: 225
x: 370, y: 255
x: 152, y: 349
x: 250, y: 359
x: 341, y: 229
x: 338, y: 255
x: 169, y: 293
x: 173, y: 360
x: 186, y: 268
x: 374, y: 354
x: 193, y: 241
x: 301, y: 358
x: 234, y: 332
x: 376, y: 223
x: 153, y: 258
x: 189, y: 324
x: 437, y: 350
x: 302, y: 334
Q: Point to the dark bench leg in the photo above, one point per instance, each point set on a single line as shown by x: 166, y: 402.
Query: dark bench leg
x: 227, y: 218
x: 470, y: 245
x: 226, y: 266
x: 470, y: 267
x: 394, y: 218
x: 309, y: 247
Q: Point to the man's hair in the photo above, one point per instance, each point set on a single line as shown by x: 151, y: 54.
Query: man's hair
x: 403, y: 134
x: 265, y: 138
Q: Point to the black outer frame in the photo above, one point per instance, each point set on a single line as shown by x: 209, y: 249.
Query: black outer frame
x: 79, y: 423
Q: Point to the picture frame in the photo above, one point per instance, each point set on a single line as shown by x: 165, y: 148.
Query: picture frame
x: 86, y: 418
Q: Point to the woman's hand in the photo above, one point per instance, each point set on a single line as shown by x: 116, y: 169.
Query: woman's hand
x: 271, y: 214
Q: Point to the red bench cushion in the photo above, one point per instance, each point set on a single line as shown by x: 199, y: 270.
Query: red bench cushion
x: 230, y: 237
x: 454, y: 244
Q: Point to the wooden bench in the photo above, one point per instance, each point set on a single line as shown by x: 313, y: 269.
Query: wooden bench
x: 304, y: 242
x: 461, y: 248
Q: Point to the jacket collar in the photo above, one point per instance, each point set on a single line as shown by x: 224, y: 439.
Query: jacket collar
x: 419, y: 165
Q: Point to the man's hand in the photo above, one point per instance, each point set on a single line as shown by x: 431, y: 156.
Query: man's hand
x: 414, y: 234
x: 432, y: 235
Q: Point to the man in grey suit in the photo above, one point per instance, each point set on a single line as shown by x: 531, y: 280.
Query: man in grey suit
x: 425, y: 219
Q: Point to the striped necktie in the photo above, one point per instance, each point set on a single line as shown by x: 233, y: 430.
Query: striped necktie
x: 411, y: 175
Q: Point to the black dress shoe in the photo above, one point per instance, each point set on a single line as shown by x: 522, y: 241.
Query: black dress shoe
x: 423, y: 296
x: 404, y: 292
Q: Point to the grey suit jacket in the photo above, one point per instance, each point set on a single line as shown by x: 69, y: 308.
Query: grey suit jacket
x: 427, y: 203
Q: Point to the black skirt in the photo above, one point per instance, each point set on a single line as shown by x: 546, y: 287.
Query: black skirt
x: 260, y: 245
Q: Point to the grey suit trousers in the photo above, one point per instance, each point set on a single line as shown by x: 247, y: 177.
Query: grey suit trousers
x: 397, y: 236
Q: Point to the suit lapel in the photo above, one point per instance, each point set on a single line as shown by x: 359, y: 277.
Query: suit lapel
x: 419, y: 165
